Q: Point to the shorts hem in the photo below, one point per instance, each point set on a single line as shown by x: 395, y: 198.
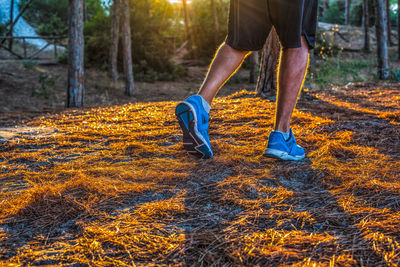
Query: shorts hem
x: 236, y: 46
x: 310, y: 42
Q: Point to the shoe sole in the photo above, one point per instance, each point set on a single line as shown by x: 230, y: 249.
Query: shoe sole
x: 277, y: 154
x: 193, y: 141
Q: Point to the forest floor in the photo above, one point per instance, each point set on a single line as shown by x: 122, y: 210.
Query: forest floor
x: 112, y: 185
x: 29, y: 89
x: 28, y: 92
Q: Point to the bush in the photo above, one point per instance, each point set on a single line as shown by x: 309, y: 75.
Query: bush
x: 47, y: 84
x: 325, y: 46
x: 97, y: 41
x: 55, y: 27
x: 29, y: 63
x: 151, y: 22
x: 395, y: 75
x: 42, y: 12
x: 329, y: 70
x: 151, y: 46
x: 145, y: 73
x: 335, y: 13
x: 3, y: 29
x: 50, y: 17
x: 63, y: 57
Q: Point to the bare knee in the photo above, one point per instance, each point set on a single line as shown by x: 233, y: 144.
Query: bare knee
x: 235, y: 51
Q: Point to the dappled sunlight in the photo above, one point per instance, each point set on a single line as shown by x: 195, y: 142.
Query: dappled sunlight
x: 113, y: 186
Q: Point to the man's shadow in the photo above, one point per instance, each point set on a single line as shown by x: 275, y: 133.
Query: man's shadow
x: 206, y: 214
x: 312, y: 195
x: 368, y: 128
x: 209, y: 217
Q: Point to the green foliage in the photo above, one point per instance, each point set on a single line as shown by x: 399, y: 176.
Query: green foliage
x: 205, y: 37
x: 325, y: 46
x: 42, y: 11
x: 29, y: 63
x: 97, y: 41
x: 151, y: 21
x: 63, y: 58
x: 356, y: 13
x: 55, y: 27
x: 335, y: 12
x: 50, y: 17
x: 143, y: 72
x: 395, y: 75
x: 154, y: 31
x: 47, y: 83
x: 3, y: 29
x: 152, y: 46
x: 331, y: 68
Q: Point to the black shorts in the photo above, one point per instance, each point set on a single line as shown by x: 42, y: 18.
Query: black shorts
x: 250, y: 22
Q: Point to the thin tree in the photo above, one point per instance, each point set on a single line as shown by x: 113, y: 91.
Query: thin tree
x: 215, y: 18
x: 186, y: 17
x: 10, y: 44
x: 389, y: 27
x: 324, y: 7
x: 268, y: 78
x: 253, y: 66
x: 365, y: 18
x: 398, y: 28
x: 311, y: 67
x: 115, y: 24
x: 76, y: 88
x: 382, y: 40
x: 347, y: 6
x: 127, y: 48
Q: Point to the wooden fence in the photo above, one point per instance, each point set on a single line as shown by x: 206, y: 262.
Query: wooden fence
x: 30, y: 51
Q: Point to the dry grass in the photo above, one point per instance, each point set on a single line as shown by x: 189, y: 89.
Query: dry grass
x: 114, y: 187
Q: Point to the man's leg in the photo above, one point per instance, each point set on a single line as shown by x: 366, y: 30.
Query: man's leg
x: 225, y: 63
x: 292, y: 72
x: 193, y: 113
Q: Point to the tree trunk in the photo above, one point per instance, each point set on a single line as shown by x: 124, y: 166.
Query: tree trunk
x: 76, y: 89
x: 113, y: 60
x: 312, y: 61
x: 365, y: 18
x: 216, y: 22
x: 10, y: 43
x: 267, y: 81
x: 324, y: 6
x: 398, y: 28
x: 253, y: 66
x: 127, y: 48
x: 85, y: 13
x: 382, y: 40
x: 347, y: 6
x: 185, y: 12
x: 389, y: 27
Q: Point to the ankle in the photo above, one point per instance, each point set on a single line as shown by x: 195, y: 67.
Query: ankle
x: 206, y: 104
x: 282, y: 129
x: 206, y: 97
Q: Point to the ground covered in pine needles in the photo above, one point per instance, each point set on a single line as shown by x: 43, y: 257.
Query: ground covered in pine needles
x: 112, y: 186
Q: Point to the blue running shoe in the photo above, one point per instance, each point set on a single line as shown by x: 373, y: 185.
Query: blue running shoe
x: 193, y: 119
x: 280, y: 148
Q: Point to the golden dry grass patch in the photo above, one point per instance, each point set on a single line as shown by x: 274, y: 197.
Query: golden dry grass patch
x: 114, y: 187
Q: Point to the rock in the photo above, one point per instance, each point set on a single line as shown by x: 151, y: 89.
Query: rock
x: 12, y: 133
